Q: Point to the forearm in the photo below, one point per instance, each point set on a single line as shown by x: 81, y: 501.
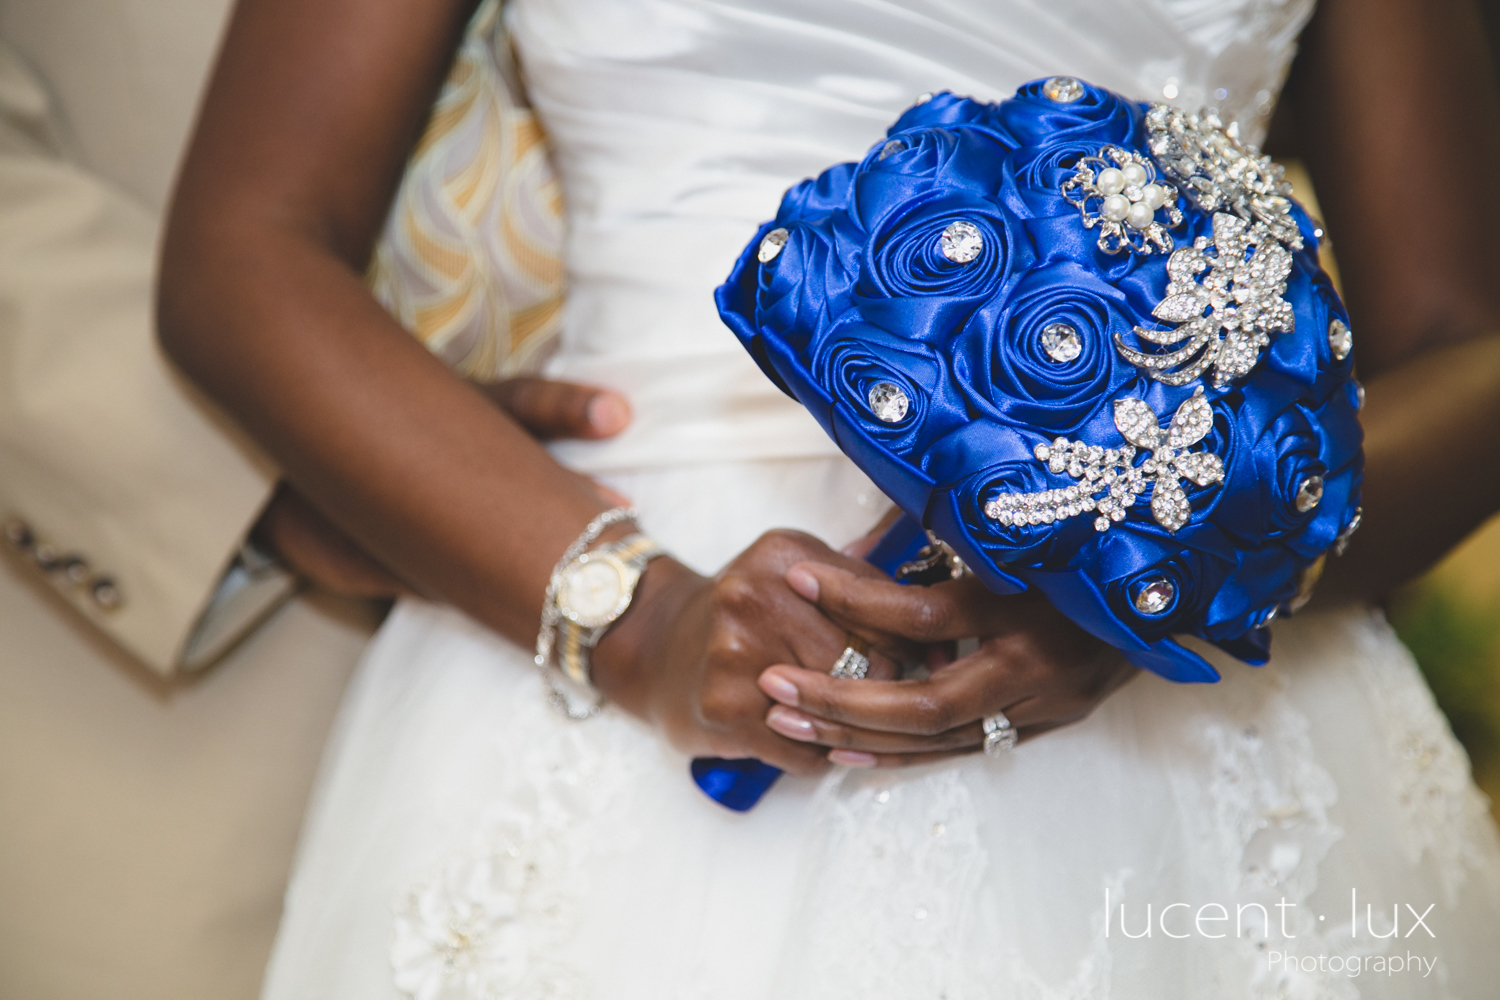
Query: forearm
x: 1430, y: 455
x: 409, y: 460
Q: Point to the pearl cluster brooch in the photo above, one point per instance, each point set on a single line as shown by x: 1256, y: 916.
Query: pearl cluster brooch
x: 1118, y: 191
x: 1109, y: 479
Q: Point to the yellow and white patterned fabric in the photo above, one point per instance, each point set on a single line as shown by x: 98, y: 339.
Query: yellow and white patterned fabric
x: 471, y: 257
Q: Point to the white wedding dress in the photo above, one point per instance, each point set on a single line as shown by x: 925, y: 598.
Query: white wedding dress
x: 467, y: 842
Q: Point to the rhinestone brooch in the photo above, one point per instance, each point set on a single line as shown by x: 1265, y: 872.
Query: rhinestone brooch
x: 1110, y: 482
x: 1219, y: 173
x: 1118, y: 191
x: 1225, y: 320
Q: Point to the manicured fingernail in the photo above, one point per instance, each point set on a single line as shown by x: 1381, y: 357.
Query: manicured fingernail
x: 608, y: 413
x: 792, y: 725
x: 803, y: 582
x: 780, y: 688
x: 852, y: 758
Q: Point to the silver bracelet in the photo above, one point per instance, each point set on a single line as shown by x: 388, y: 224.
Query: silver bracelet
x: 561, y: 692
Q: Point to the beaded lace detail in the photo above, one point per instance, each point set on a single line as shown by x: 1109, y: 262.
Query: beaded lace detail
x: 1440, y: 814
x: 494, y: 920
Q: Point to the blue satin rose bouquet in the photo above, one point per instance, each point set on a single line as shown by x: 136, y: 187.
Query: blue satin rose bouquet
x: 1088, y: 345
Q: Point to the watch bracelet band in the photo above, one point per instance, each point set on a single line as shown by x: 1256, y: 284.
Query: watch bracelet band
x: 564, y: 701
x: 575, y: 642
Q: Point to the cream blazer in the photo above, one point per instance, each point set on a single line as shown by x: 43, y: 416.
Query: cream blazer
x: 120, y: 487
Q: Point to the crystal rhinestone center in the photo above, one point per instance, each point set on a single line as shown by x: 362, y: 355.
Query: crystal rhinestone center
x: 1309, y: 494
x: 891, y: 148
x: 1155, y: 597
x: 1340, y: 339
x: 961, y: 242
x: 889, y: 403
x: 1061, y: 342
x: 770, y: 246
x: 1062, y: 89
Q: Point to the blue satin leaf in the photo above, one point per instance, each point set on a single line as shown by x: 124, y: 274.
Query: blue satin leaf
x: 734, y: 784
x: 1167, y: 659
x: 795, y: 380
x: 908, y: 487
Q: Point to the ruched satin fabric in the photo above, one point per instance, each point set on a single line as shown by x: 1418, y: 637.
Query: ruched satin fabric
x: 677, y: 127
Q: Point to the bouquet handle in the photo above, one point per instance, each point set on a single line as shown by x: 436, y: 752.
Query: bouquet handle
x: 739, y: 784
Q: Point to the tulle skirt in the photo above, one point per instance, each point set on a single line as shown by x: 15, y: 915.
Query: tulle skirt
x: 1307, y: 829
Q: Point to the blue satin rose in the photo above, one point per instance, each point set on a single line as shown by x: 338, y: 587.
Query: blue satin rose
x: 948, y: 108
x: 908, y: 283
x: 1099, y: 116
x: 1002, y: 359
x: 810, y: 282
x: 915, y: 163
x: 1269, y: 470
x: 1168, y: 595
x: 856, y: 359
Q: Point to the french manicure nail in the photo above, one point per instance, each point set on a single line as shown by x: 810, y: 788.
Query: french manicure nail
x: 852, y: 758
x: 803, y: 582
x: 793, y: 725
x: 780, y: 688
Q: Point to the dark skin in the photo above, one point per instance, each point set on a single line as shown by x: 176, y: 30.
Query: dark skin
x: 315, y: 549
x: 305, y: 131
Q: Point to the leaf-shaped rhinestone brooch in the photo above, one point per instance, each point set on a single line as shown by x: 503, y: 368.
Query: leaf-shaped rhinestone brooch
x: 1225, y: 320
x: 1109, y: 482
x: 1118, y: 191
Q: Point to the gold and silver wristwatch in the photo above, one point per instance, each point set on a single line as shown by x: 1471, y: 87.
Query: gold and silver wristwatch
x: 593, y: 591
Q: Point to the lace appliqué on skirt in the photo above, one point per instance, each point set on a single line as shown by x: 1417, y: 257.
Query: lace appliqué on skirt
x: 1439, y: 812
x: 495, y: 920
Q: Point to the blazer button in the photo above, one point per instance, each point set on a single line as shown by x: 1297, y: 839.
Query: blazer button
x: 76, y: 569
x: 46, y: 557
x: 106, y: 593
x: 18, y: 533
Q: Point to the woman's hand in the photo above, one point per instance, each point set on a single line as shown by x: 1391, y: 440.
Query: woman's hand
x: 1033, y: 664
x: 687, y: 654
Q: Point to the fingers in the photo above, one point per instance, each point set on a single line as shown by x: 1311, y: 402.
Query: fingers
x: 947, y: 611
x: 864, y: 544
x: 315, y: 549
x: 550, y: 410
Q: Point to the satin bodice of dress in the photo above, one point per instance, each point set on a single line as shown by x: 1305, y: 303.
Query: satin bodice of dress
x: 678, y: 124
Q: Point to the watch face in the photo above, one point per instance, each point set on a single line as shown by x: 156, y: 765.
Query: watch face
x: 591, y: 592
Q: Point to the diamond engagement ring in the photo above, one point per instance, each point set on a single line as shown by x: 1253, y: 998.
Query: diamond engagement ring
x: 852, y: 663
x: 999, y: 734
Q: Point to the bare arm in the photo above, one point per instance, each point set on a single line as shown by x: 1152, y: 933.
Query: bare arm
x: 306, y: 127
x: 1396, y: 111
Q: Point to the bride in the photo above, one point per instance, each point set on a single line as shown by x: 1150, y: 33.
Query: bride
x: 1303, y: 830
